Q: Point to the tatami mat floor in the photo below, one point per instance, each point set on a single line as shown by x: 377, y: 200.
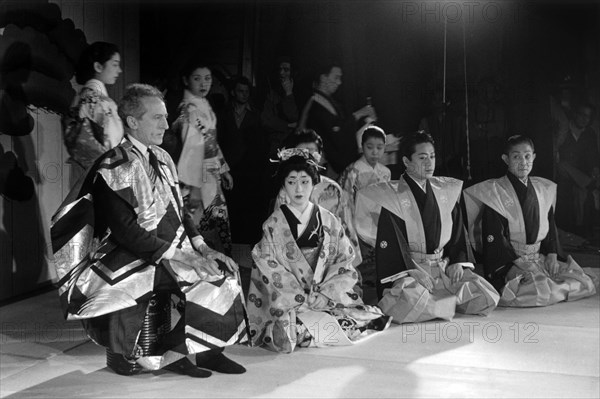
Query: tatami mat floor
x: 551, y: 352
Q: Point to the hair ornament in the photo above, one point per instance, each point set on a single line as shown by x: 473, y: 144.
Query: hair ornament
x: 283, y: 154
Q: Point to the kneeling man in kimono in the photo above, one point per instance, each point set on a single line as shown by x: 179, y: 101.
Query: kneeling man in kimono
x: 422, y: 258
x: 511, y: 223
x: 127, y: 267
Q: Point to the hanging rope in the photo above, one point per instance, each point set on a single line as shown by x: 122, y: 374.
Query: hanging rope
x: 466, y: 102
x: 444, y: 82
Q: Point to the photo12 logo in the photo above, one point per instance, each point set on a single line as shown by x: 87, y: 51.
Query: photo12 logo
x: 453, y: 12
x: 453, y: 332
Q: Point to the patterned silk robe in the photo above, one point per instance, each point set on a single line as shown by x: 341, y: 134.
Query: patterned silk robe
x: 512, y: 225
x: 328, y: 194
x: 93, y: 125
x: 200, y: 167
x: 424, y: 234
x: 287, y: 279
x: 107, y: 280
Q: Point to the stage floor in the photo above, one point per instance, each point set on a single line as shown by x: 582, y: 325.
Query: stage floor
x: 528, y: 353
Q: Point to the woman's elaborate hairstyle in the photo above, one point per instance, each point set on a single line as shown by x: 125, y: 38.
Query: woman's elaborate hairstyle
x: 372, y: 131
x: 410, y: 142
x: 515, y: 140
x: 299, y: 160
x: 304, y: 136
x: 96, y: 52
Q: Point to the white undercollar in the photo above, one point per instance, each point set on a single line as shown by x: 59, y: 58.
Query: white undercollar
x: 303, y: 217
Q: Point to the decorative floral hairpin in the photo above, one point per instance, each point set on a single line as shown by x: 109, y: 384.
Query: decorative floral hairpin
x: 283, y: 154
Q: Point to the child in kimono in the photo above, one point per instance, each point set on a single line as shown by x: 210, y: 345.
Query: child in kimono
x: 415, y: 224
x: 367, y: 169
x: 301, y: 288
x: 511, y: 223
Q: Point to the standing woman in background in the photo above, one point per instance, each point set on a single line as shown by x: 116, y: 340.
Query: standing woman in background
x: 202, y: 166
x: 93, y: 126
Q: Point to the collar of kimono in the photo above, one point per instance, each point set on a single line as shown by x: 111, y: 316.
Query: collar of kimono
x: 303, y: 217
x: 98, y: 86
x: 325, y: 102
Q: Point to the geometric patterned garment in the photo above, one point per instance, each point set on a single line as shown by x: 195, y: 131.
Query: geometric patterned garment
x: 500, y: 228
x: 328, y: 194
x: 108, y: 287
x: 305, y: 297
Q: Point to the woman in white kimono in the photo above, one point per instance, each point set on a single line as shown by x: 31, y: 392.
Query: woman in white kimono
x: 201, y: 167
x: 93, y: 125
x: 511, y: 222
x: 301, y: 288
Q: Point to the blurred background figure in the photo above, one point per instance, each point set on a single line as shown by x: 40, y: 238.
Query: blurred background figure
x: 280, y: 111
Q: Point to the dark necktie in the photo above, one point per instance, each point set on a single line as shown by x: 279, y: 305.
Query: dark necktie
x: 154, y: 168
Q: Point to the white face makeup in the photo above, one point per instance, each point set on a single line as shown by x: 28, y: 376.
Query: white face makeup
x: 298, y: 186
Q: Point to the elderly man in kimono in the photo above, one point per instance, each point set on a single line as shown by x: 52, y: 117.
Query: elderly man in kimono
x: 127, y: 267
x: 423, y: 262
x: 511, y: 223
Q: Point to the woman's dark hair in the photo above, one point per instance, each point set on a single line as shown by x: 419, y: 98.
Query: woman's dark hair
x: 515, y: 140
x: 409, y: 143
x: 96, y: 52
x: 297, y: 163
x: 372, y: 131
x: 304, y: 136
x: 324, y: 69
x: 240, y: 80
x: 192, y: 65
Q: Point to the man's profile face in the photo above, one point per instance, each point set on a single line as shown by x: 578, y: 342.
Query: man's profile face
x: 153, y: 123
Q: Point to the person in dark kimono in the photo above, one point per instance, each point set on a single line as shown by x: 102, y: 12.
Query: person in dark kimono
x: 122, y: 241
x: 578, y: 174
x: 301, y: 288
x: 424, y: 268
x: 326, y: 116
x: 244, y: 145
x: 511, y: 223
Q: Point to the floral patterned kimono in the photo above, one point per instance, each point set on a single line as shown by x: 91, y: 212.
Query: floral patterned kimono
x: 93, y: 126
x: 512, y: 226
x: 292, y: 269
x: 200, y: 167
x: 328, y: 194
